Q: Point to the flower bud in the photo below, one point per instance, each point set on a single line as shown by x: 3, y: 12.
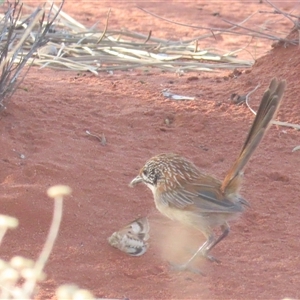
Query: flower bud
x: 8, y: 222
x: 58, y: 191
x: 29, y: 273
x: 66, y: 291
x: 9, y: 274
x: 19, y: 262
x: 83, y: 295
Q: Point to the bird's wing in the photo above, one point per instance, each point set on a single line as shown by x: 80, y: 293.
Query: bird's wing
x: 204, y: 197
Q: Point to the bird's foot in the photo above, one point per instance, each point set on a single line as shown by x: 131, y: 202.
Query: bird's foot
x: 185, y: 267
x: 210, y: 257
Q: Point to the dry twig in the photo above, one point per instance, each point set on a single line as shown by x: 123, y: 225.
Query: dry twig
x: 279, y: 123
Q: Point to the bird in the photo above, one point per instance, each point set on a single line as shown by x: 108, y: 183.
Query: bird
x: 184, y: 193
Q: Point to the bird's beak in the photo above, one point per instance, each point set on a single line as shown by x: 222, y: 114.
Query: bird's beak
x: 136, y: 180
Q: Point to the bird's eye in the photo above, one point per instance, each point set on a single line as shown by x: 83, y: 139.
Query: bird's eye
x: 145, y: 172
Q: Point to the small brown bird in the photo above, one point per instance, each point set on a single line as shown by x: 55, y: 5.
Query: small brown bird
x: 184, y: 193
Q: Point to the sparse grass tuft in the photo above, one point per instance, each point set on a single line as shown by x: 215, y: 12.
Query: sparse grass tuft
x: 14, y: 35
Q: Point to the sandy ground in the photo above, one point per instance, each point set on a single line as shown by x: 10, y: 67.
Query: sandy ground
x: 46, y: 122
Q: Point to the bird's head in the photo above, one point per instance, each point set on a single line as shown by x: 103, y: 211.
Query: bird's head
x: 165, y: 170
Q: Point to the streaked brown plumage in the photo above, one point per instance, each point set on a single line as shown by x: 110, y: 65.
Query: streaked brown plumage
x: 183, y: 192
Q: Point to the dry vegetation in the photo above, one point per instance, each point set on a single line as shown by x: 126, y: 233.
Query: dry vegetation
x: 48, y: 37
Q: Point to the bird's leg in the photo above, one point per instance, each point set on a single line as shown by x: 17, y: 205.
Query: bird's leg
x: 225, y: 231
x: 186, y: 266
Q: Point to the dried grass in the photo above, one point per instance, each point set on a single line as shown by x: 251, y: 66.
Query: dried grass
x: 16, y: 50
x: 73, y: 46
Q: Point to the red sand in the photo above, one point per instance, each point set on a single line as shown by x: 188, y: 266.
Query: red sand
x: 46, y: 121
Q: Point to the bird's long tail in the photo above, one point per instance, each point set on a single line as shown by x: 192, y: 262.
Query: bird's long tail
x: 267, y: 110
